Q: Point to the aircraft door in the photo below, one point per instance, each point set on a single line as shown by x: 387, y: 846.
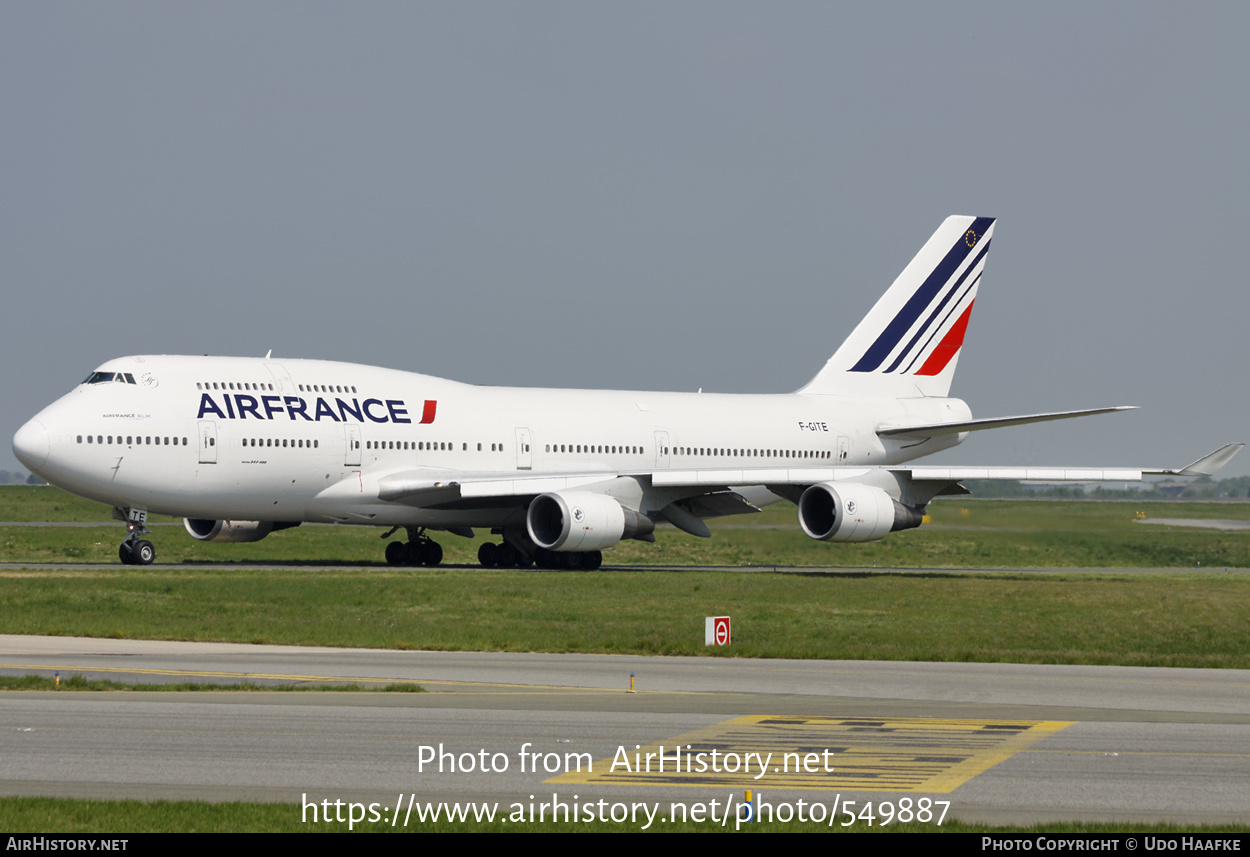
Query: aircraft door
x: 661, y: 449
x: 280, y: 376
x: 208, y: 442
x: 351, y: 444
x: 524, y: 458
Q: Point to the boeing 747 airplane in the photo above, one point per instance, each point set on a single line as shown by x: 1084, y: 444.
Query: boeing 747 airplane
x: 241, y: 447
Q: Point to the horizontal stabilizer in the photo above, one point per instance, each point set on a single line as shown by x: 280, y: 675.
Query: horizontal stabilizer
x: 993, y: 422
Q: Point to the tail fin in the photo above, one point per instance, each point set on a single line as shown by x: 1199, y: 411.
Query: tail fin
x: 909, y: 342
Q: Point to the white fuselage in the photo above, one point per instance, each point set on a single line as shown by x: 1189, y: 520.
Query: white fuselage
x: 309, y: 440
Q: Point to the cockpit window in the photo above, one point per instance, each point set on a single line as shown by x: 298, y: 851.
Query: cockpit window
x: 110, y: 377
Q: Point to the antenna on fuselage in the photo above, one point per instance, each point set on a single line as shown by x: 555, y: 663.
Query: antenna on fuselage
x: 268, y: 353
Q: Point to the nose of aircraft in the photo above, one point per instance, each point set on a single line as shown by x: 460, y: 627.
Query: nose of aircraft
x: 30, y: 445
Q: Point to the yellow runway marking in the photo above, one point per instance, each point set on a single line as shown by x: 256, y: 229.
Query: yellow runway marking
x: 888, y: 754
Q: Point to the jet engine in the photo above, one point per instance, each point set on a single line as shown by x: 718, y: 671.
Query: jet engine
x: 582, y: 521
x: 233, y: 531
x: 850, y: 512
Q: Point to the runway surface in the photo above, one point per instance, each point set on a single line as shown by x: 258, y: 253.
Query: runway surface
x: 1003, y: 743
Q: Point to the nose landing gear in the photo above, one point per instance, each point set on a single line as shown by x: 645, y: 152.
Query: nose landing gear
x: 134, y: 550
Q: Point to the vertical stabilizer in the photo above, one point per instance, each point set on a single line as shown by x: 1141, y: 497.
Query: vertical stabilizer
x: 909, y: 342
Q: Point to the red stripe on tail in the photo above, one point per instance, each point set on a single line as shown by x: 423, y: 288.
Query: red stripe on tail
x: 948, y: 347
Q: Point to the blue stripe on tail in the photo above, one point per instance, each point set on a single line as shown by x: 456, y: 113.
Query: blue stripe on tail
x: 923, y: 297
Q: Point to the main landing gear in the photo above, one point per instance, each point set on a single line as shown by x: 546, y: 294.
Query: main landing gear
x: 420, y: 549
x: 135, y: 551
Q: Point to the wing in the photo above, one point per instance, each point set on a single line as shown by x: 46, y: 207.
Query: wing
x: 835, y: 503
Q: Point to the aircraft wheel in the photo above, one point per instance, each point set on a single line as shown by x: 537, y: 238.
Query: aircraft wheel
x: 412, y: 553
x: 572, y: 560
x: 544, y: 558
x: 125, y: 554
x: 431, y: 553
x: 488, y: 554
x: 507, y: 556
x: 395, y: 553
x: 144, y: 553
x: 592, y: 560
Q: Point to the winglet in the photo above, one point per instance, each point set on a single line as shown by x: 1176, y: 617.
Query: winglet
x: 1208, y: 465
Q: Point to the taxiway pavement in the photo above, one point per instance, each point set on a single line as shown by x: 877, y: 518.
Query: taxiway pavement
x: 1003, y: 743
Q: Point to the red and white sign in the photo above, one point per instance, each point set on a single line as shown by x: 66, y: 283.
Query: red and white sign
x: 716, y: 631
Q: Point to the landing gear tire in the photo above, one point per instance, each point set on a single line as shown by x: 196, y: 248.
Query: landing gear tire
x: 488, y: 554
x: 395, y: 553
x: 140, y: 552
x: 416, y: 553
x: 507, y: 556
x: 592, y: 560
x: 144, y: 553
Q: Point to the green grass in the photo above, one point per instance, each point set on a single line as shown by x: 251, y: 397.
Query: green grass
x: 46, y: 503
x: 1192, y: 619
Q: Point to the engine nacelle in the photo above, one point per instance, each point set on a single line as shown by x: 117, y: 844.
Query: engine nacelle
x: 850, y: 512
x: 232, y: 531
x: 582, y: 521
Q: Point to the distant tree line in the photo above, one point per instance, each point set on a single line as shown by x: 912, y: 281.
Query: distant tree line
x: 19, y: 478
x: 1203, y: 488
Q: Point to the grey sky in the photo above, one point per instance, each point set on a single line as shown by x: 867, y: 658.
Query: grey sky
x: 637, y: 195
